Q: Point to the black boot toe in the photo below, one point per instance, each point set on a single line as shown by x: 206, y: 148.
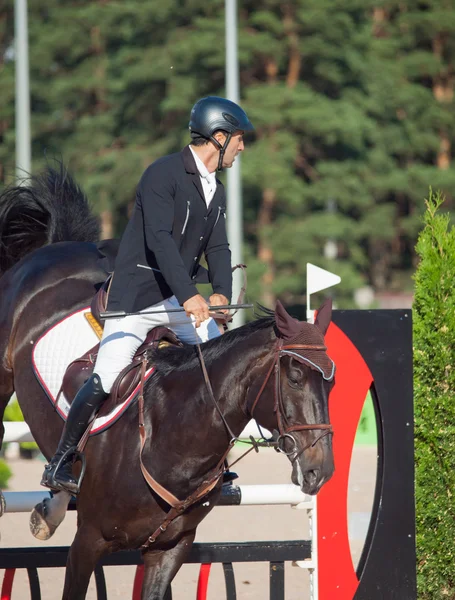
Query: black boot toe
x: 229, y: 476
x: 61, y: 479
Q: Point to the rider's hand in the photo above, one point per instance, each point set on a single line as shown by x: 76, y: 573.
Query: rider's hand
x: 218, y: 300
x: 198, y: 307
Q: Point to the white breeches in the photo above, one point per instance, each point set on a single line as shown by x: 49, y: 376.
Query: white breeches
x: 122, y: 337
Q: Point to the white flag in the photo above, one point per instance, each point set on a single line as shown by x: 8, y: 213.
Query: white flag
x: 318, y: 279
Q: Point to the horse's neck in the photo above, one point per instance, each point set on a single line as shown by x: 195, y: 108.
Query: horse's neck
x: 190, y: 424
x: 239, y: 366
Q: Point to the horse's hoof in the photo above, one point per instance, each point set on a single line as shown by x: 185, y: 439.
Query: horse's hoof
x: 39, y: 527
x: 48, y: 514
x: 2, y: 505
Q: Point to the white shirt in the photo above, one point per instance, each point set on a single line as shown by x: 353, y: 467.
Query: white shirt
x: 208, y: 180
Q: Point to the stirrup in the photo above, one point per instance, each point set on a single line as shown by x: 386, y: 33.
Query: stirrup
x: 52, y: 483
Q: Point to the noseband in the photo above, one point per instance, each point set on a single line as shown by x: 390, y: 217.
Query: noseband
x: 284, y: 428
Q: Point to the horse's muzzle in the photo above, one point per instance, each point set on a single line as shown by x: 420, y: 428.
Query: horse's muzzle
x: 310, y: 475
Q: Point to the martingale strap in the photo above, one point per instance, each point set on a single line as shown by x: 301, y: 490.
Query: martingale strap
x: 178, y: 507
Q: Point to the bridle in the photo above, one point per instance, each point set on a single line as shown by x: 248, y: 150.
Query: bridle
x: 285, y: 430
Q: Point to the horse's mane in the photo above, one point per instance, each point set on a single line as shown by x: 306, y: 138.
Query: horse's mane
x: 46, y: 208
x: 177, y: 359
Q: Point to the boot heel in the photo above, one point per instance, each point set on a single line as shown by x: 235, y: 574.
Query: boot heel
x: 58, y: 474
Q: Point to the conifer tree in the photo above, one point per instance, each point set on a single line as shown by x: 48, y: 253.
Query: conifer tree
x: 434, y: 385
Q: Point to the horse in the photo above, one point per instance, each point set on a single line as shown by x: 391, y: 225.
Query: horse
x: 50, y: 265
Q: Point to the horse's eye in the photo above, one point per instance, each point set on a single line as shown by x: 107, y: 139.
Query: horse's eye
x: 294, y: 382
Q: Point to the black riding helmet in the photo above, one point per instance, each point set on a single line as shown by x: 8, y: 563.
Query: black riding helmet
x: 212, y: 114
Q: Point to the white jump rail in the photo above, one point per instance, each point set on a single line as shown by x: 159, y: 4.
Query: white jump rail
x: 251, y: 495
x: 16, y: 431
x: 19, y: 432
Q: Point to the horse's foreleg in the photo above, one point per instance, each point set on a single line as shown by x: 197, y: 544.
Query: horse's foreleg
x: 86, y: 550
x: 161, y: 567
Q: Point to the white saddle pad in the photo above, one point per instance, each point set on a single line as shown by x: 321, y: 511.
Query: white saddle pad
x: 69, y: 339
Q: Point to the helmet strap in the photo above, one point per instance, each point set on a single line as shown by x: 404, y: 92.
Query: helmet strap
x: 222, y: 148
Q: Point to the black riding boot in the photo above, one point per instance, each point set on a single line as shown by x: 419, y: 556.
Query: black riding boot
x: 228, y: 475
x: 58, y: 473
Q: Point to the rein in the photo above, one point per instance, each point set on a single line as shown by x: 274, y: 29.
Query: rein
x: 178, y: 507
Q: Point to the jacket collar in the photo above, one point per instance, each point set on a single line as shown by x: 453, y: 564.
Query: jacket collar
x: 191, y: 168
x: 188, y: 161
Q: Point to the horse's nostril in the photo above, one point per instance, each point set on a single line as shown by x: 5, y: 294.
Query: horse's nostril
x: 311, y: 476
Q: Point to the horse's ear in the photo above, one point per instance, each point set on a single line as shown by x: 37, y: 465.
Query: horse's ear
x: 286, y: 325
x: 324, y: 316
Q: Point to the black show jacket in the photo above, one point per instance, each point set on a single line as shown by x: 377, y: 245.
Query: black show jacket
x: 169, y: 231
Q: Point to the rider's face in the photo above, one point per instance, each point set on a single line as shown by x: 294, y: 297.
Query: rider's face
x: 235, y: 146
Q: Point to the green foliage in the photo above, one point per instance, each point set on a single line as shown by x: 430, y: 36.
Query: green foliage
x: 5, y: 474
x: 367, y: 428
x: 434, y: 372
x: 13, y: 412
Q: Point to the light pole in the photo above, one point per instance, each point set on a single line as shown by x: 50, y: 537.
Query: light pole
x: 234, y: 192
x: 23, y: 151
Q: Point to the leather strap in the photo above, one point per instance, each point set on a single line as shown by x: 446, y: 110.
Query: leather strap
x: 224, y: 318
x: 156, y: 487
x: 206, y: 486
x: 267, y: 377
x: 307, y: 427
x: 243, y: 288
x: 178, y: 507
x: 303, y: 347
x: 212, y: 395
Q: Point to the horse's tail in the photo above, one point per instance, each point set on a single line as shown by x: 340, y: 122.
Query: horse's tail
x: 47, y: 208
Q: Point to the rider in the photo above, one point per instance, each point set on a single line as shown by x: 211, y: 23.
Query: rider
x: 179, y: 215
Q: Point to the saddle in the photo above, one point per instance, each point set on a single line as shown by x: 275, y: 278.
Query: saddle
x: 81, y: 369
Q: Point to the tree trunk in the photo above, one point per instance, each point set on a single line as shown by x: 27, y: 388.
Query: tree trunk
x: 295, y: 57
x: 265, y: 253
x: 444, y: 152
x: 443, y: 87
x: 107, y: 225
x: 379, y: 256
x: 271, y: 69
x: 380, y: 19
x: 100, y: 69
